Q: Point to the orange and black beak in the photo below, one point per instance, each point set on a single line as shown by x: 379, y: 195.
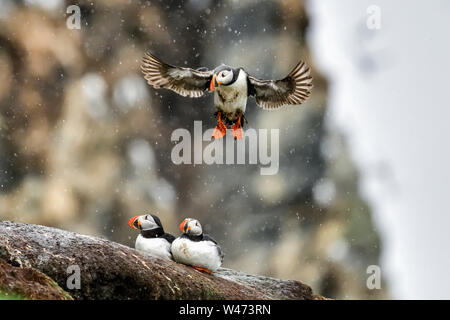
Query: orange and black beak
x: 212, y: 84
x: 184, y: 226
x: 134, y: 222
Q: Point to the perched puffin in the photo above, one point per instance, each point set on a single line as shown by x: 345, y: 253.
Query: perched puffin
x: 195, y: 248
x: 152, y: 239
x: 231, y: 86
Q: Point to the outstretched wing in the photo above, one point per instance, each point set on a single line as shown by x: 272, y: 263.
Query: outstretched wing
x: 184, y: 81
x: 272, y: 94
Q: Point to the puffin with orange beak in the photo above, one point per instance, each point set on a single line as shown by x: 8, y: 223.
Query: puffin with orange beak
x: 196, y: 249
x: 231, y: 87
x: 152, y: 240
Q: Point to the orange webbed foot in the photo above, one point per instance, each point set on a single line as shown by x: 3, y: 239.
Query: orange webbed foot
x: 219, y: 132
x: 202, y: 269
x: 237, y: 129
x: 221, y: 128
x: 237, y: 133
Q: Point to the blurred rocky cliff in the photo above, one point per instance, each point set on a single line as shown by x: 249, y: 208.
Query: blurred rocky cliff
x: 85, y: 143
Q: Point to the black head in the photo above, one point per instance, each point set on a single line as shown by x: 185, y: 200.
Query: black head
x: 191, y: 227
x: 225, y: 75
x: 145, y: 222
x: 156, y: 219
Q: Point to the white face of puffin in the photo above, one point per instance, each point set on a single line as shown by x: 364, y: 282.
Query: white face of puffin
x: 191, y: 227
x: 224, y: 77
x: 144, y: 222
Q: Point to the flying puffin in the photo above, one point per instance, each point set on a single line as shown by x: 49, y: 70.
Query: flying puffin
x: 231, y: 86
x: 195, y: 248
x: 152, y: 239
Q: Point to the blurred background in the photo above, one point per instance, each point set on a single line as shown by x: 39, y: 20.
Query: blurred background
x: 85, y: 142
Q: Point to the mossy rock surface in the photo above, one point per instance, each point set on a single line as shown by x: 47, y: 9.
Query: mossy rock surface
x: 18, y: 283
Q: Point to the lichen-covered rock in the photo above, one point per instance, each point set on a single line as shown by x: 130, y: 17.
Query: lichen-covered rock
x: 109, y: 270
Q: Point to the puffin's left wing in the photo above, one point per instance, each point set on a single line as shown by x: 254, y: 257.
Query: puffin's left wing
x: 184, y: 81
x: 207, y: 237
x: 272, y: 94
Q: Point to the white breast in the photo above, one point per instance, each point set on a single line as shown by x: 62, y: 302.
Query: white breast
x: 200, y: 254
x: 235, y: 95
x: 158, y: 247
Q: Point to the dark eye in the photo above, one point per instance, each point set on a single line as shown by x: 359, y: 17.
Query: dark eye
x: 223, y: 74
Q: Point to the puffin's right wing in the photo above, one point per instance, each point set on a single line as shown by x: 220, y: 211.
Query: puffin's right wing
x: 293, y: 89
x: 184, y: 81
